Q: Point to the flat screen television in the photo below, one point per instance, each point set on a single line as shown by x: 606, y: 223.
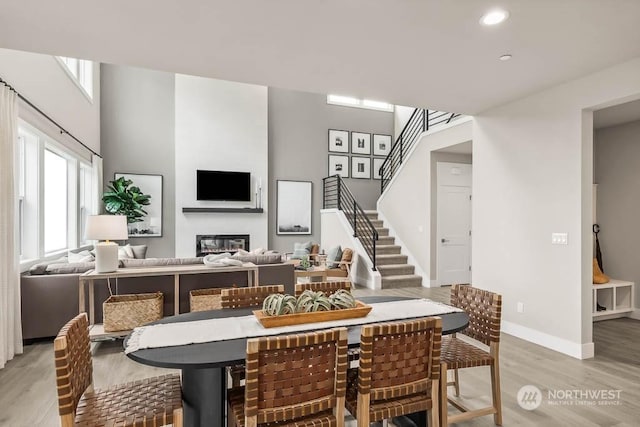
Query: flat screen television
x: 223, y: 185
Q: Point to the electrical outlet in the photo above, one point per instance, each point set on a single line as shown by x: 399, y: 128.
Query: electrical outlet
x: 520, y: 308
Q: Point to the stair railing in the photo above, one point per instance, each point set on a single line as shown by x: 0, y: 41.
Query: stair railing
x: 420, y: 121
x: 338, y: 196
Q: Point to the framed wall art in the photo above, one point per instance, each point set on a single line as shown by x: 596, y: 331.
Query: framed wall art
x: 338, y: 141
x: 339, y: 165
x: 360, y: 167
x: 381, y: 145
x: 293, y: 214
x: 360, y: 143
x: 377, y: 163
x: 151, y: 224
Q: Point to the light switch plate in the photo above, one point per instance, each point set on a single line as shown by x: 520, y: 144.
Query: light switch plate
x: 559, y: 239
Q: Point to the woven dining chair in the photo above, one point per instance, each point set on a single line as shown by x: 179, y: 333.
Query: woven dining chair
x: 399, y: 371
x: 153, y: 401
x: 248, y: 297
x: 245, y: 298
x: 329, y: 288
x: 484, y: 309
x: 297, y: 380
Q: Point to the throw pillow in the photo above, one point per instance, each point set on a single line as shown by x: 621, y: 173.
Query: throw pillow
x: 347, y: 256
x: 139, y: 251
x: 334, y: 256
x: 82, y: 256
x: 301, y: 249
x: 125, y: 252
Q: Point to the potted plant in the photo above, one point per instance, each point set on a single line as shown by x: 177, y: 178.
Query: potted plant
x: 124, y: 198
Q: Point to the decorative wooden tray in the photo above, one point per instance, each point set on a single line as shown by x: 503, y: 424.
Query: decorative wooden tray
x: 360, y: 310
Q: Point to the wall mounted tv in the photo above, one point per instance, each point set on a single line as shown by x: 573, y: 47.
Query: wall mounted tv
x: 223, y: 185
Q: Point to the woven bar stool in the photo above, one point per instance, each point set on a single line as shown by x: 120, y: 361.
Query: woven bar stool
x: 245, y: 298
x: 399, y: 371
x: 153, y: 401
x: 329, y: 288
x: 484, y: 309
x: 296, y: 380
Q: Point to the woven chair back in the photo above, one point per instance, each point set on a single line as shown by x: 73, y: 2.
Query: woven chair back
x: 248, y: 297
x: 295, y: 376
x: 484, y: 309
x: 328, y: 288
x: 399, y: 359
x: 74, y: 371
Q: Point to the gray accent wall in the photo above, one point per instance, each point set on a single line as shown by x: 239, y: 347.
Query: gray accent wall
x: 138, y: 136
x: 616, y: 160
x: 299, y: 123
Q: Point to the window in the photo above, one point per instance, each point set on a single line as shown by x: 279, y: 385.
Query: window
x: 85, y: 199
x: 55, y: 202
x: 347, y: 101
x: 21, y: 191
x: 55, y: 196
x: 81, y: 71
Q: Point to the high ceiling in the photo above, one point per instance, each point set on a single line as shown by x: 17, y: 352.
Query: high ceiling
x: 428, y: 53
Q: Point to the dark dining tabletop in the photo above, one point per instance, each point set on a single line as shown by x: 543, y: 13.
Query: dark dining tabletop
x: 203, y: 374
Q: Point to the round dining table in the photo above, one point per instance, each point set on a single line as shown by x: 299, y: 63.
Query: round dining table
x: 203, y: 365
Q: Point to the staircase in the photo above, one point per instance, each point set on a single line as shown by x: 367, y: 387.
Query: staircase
x: 391, y: 264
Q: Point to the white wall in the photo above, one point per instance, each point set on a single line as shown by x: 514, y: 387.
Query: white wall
x: 42, y: 80
x: 532, y: 176
x: 401, y: 116
x: 219, y: 125
x: 405, y: 204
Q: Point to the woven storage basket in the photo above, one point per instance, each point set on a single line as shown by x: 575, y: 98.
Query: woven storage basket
x: 124, y: 312
x: 205, y: 299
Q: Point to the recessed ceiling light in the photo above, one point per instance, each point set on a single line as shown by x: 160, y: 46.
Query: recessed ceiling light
x: 494, y: 17
x: 506, y: 57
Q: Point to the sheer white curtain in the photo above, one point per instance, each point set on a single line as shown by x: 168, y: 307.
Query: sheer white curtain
x: 96, y: 208
x: 10, y: 321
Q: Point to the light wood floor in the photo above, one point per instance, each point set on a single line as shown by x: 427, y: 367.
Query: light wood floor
x: 27, y: 384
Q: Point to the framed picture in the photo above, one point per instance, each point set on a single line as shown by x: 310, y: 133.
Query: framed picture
x: 339, y: 165
x: 151, y: 224
x: 361, y: 167
x: 293, y: 214
x: 338, y: 141
x: 381, y: 145
x: 377, y: 164
x: 360, y: 143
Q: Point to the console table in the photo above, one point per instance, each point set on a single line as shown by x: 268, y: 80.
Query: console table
x: 97, y: 330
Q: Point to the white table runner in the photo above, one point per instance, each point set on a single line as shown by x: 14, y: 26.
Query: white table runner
x: 230, y: 328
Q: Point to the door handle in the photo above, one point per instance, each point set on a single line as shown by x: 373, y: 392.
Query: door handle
x: 444, y: 240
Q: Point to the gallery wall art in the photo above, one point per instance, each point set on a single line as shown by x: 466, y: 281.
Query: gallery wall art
x: 361, y: 153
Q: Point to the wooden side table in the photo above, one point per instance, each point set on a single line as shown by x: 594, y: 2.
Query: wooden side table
x: 312, y: 272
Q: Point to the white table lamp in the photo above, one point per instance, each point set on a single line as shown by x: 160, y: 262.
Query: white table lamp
x: 106, y: 227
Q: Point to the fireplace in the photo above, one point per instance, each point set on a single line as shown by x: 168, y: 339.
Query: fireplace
x: 218, y: 243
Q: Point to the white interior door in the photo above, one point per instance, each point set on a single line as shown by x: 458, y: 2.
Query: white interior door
x: 454, y: 223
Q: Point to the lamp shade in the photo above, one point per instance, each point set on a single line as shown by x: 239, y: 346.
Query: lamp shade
x: 106, y: 227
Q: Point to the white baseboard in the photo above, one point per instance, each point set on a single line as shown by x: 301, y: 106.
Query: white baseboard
x: 570, y: 348
x: 635, y: 314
